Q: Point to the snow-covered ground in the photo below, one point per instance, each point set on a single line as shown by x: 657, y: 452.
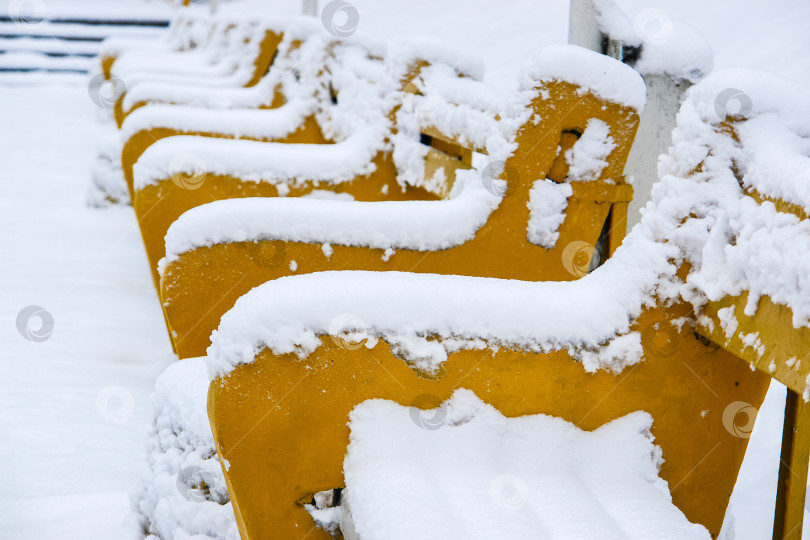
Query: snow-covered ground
x: 75, y: 408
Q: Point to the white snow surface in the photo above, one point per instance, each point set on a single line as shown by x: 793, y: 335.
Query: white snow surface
x: 74, y: 408
x: 181, y: 455
x: 72, y: 465
x: 466, y: 471
x: 547, y: 203
x: 607, y: 78
x: 387, y: 225
x: 367, y: 90
x: 232, y: 65
x: 420, y: 225
x: 588, y: 157
x: 668, y: 46
x: 734, y: 243
x: 685, y: 53
x: 224, y: 97
x: 703, y: 218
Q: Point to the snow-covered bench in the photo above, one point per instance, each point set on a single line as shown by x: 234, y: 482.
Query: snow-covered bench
x: 244, y: 65
x: 216, y: 57
x: 543, y: 221
x: 189, y: 29
x: 179, y: 173
x: 653, y: 329
x: 285, y: 113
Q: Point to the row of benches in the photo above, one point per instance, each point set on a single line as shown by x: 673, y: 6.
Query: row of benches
x: 255, y: 152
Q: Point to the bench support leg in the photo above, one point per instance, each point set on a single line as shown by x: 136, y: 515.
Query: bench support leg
x: 792, y: 484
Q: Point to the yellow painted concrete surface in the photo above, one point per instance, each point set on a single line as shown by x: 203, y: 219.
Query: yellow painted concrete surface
x: 499, y: 248
x: 281, y: 422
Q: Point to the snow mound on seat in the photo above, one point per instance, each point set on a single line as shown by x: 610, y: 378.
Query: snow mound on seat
x: 419, y: 225
x: 733, y: 243
x: 466, y: 471
x: 254, y: 161
x: 188, y: 28
x: 232, y: 66
x: 368, y: 90
x: 181, y: 456
x: 437, y: 51
x: 426, y: 317
x: 233, y: 111
x: 604, y: 76
x: 460, y: 107
x: 261, y: 94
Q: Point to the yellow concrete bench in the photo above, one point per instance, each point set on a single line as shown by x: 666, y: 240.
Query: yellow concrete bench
x: 655, y: 329
x: 272, y: 117
x: 180, y: 173
x: 188, y: 30
x: 253, y: 62
x: 214, y: 56
x: 229, y: 247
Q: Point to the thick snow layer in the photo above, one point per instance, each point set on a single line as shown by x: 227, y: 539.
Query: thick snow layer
x: 547, y: 203
x: 183, y: 492
x: 421, y: 225
x: 685, y: 53
x: 538, y: 316
x: 733, y: 243
x: 775, y: 133
x: 74, y: 408
x: 254, y: 161
x: 297, y: 71
x: 701, y: 217
x: 390, y: 225
x: 231, y: 67
x: 605, y: 77
x: 588, y: 157
x: 367, y: 90
x: 460, y: 108
x: 436, y: 51
x: 254, y: 123
x: 190, y: 42
x: 667, y: 46
x: 223, y: 97
x: 615, y: 24
x: 472, y: 473
x: 218, y: 55
x: 71, y: 467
